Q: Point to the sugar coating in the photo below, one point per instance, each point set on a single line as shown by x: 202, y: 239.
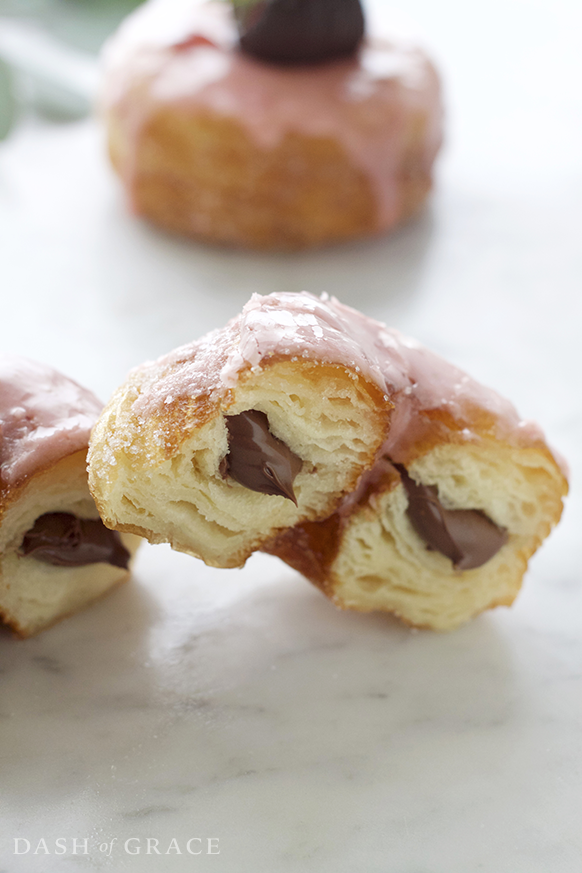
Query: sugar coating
x: 323, y: 330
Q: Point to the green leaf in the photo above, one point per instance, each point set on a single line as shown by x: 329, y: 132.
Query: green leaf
x: 7, y: 100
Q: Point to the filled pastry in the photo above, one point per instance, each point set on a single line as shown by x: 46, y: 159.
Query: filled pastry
x: 225, y: 442
x: 56, y: 555
x: 460, y: 496
x: 386, y: 475
x: 279, y: 124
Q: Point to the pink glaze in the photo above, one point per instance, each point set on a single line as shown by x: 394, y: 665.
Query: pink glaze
x: 296, y: 326
x: 301, y: 326
x: 44, y: 417
x: 161, y: 57
x: 412, y: 377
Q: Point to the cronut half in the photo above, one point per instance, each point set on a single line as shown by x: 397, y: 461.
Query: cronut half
x: 159, y: 475
x: 372, y: 558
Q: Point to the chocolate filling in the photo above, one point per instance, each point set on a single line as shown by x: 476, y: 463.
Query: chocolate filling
x: 299, y: 31
x: 256, y: 458
x: 466, y: 536
x: 64, y: 540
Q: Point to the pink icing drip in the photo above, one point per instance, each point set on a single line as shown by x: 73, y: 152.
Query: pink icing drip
x: 299, y: 326
x: 283, y: 325
x: 413, y: 377
x: 44, y: 417
x: 366, y: 103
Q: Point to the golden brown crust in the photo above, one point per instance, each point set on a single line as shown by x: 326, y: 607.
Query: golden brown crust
x: 303, y: 192
x: 225, y: 147
x: 310, y: 548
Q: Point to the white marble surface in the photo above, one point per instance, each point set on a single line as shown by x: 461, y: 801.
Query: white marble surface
x: 240, y: 706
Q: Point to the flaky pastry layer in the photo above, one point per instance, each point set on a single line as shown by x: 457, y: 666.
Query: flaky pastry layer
x: 374, y: 419
x: 35, y: 594
x: 156, y: 462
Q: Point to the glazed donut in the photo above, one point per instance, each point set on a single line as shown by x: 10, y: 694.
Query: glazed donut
x: 448, y: 505
x: 227, y: 441
x: 461, y: 495
x: 56, y: 555
x: 275, y: 151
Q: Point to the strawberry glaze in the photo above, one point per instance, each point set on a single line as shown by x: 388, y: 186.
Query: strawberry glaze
x: 44, y: 417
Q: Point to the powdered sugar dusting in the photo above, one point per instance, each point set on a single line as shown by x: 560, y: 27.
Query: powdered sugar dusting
x: 298, y: 325
x: 303, y: 327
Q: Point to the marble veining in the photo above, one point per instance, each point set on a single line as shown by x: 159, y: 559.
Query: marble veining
x: 238, y: 710
x: 245, y: 707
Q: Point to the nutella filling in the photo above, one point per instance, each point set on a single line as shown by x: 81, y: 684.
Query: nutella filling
x: 256, y: 458
x: 64, y: 540
x: 466, y: 536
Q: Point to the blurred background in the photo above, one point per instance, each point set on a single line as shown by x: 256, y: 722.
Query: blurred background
x: 48, y: 54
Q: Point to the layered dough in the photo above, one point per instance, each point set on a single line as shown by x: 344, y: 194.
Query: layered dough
x: 160, y: 453
x: 56, y: 556
x: 414, y: 489
x: 469, y: 448
x: 370, y: 555
x: 223, y: 147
